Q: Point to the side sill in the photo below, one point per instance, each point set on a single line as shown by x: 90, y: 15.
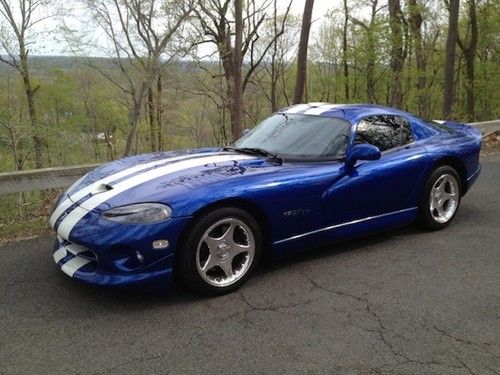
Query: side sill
x: 298, y: 236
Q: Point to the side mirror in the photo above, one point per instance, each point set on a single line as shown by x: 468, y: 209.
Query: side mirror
x: 245, y: 132
x: 362, y: 152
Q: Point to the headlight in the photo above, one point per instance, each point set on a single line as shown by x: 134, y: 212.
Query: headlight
x: 142, y: 213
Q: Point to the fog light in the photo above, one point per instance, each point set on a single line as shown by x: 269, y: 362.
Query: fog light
x: 139, y: 256
x: 160, y: 244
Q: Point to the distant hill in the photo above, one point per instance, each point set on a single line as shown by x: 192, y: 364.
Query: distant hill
x: 40, y: 64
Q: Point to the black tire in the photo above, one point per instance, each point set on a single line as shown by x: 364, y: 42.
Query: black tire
x: 426, y: 218
x: 186, y: 267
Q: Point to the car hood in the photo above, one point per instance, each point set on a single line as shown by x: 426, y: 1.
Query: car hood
x: 156, y: 177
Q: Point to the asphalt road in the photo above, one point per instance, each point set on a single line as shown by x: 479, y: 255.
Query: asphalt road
x: 402, y: 302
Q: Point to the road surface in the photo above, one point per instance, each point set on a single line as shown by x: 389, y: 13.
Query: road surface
x: 405, y: 302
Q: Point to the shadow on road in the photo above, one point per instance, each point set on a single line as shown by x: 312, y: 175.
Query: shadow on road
x: 147, y: 297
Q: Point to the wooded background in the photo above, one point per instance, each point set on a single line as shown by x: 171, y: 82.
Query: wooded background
x: 191, y: 73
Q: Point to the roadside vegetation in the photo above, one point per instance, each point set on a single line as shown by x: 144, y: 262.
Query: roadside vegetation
x: 195, y: 73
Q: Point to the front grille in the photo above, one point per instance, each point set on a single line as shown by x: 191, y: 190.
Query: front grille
x: 72, y: 257
x: 88, y: 254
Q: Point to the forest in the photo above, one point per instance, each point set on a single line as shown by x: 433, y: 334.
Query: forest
x: 140, y: 76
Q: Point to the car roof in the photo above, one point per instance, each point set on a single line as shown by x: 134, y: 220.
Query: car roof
x: 351, y: 112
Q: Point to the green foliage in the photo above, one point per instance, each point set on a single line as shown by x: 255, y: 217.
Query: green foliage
x: 84, y: 112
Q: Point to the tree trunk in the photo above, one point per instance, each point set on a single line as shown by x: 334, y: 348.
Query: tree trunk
x: 469, y: 88
x: 397, y: 53
x: 135, y: 114
x: 301, y: 79
x: 159, y: 112
x: 151, y: 120
x: 236, y: 89
x: 449, y: 70
x: 344, y: 51
x: 30, y: 96
x: 274, y: 87
x: 416, y: 29
x: 470, y: 55
x: 370, y: 69
x: 274, y: 73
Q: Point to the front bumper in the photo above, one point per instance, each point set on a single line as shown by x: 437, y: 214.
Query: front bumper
x: 82, y: 264
x: 103, y: 253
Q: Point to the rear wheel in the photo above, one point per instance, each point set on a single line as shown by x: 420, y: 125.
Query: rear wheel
x: 441, y: 198
x: 220, y: 251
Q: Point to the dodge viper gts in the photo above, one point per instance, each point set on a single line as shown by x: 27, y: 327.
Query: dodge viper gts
x: 310, y: 174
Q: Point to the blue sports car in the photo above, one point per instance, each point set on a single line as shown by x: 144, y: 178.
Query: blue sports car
x: 311, y: 174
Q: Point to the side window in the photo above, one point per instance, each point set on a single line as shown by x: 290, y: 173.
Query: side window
x: 384, y: 131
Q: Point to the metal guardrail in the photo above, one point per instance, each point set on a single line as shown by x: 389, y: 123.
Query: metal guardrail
x: 487, y: 127
x: 48, y: 178
x: 41, y: 179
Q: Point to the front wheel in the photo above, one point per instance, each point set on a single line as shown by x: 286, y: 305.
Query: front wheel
x: 220, y: 251
x: 441, y: 198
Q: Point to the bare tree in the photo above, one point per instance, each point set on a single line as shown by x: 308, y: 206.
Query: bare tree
x: 326, y: 60
x: 11, y: 123
x: 217, y: 26
x: 398, y: 53
x: 271, y: 76
x: 415, y: 21
x: 344, y: 51
x: 16, y: 37
x: 449, y: 70
x: 237, y: 98
x: 301, y: 79
x: 469, y: 51
x: 137, y: 46
x: 369, y: 29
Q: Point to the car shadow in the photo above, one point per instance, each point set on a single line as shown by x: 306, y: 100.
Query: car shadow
x: 141, y: 298
x: 333, y: 250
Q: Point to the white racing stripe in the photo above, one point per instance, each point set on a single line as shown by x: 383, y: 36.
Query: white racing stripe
x: 73, y: 265
x: 63, y: 251
x: 75, y: 249
x: 59, y: 254
x: 298, y: 108
x: 67, y: 203
x: 78, y: 213
x: 320, y: 109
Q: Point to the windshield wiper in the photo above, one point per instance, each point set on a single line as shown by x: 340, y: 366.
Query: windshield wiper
x: 255, y: 151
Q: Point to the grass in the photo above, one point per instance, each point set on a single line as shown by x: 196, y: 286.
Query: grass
x: 25, y: 215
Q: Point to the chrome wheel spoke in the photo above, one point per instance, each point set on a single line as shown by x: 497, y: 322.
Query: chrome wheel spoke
x: 433, y: 204
x: 440, y: 187
x: 229, y: 233
x: 227, y: 268
x: 447, y: 196
x: 239, y: 249
x: 209, y: 264
x: 440, y: 210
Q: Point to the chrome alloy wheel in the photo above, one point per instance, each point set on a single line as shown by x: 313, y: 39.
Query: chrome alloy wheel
x: 225, y: 252
x: 444, y: 197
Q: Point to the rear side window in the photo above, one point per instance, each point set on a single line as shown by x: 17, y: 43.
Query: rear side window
x: 439, y: 126
x: 384, y: 131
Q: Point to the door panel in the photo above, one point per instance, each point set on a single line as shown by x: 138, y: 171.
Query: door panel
x: 376, y: 187
x: 381, y: 186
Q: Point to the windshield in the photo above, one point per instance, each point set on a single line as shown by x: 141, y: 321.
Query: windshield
x: 299, y: 136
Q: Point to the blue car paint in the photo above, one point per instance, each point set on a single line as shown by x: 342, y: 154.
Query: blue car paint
x: 300, y: 204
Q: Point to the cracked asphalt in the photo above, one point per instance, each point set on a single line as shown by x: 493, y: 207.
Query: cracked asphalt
x: 407, y: 301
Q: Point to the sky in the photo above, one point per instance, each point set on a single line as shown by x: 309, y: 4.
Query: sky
x: 48, y: 44
x: 320, y: 6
